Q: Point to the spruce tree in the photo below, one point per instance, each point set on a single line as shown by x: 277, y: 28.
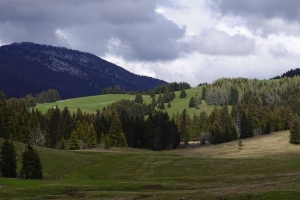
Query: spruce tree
x: 92, y: 139
x: 74, y: 141
x: 115, y: 132
x: 182, y: 94
x: 197, y: 102
x: 107, y: 142
x: 139, y: 98
x: 192, y: 102
x: 295, y: 132
x: 62, y: 144
x: 169, y: 105
x: 31, y: 164
x: 8, y: 162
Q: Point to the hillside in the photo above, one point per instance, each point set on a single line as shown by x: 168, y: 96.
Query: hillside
x: 92, y: 103
x: 33, y: 68
x: 261, y: 170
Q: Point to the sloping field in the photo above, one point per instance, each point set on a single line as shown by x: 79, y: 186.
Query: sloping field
x: 92, y: 103
x: 275, y: 144
x: 267, y: 167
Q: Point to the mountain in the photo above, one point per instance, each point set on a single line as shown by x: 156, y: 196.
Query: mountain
x: 32, y: 68
x: 291, y: 73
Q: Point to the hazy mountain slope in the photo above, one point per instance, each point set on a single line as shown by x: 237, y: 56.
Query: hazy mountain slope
x: 31, y: 68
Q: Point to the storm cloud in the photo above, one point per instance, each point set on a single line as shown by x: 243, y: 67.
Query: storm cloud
x: 130, y: 27
x: 287, y: 9
x: 174, y: 40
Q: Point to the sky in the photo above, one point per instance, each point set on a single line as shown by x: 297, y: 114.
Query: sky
x: 195, y: 41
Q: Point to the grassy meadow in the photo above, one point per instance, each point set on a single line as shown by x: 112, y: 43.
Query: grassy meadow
x: 267, y: 167
x: 92, y: 103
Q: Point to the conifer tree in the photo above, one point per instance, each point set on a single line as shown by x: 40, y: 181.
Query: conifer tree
x: 152, y: 94
x: 62, y: 144
x: 31, y: 164
x: 107, y: 142
x: 169, y: 105
x: 8, y: 162
x: 153, y: 103
x: 92, y: 136
x: 197, y: 102
x: 182, y: 127
x: 115, y: 132
x: 122, y: 142
x: 295, y: 132
x: 74, y: 141
x: 182, y: 94
x: 192, y: 102
x: 139, y: 98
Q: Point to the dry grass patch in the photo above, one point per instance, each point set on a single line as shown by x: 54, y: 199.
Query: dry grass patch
x: 260, y: 146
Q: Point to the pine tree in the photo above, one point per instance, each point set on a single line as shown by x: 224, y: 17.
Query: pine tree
x: 152, y: 94
x: 92, y: 136
x: 192, y: 102
x: 197, y: 102
x: 8, y: 163
x: 182, y: 94
x: 295, y: 132
x: 62, y: 144
x: 182, y: 127
x: 139, y: 98
x: 122, y: 142
x: 169, y: 105
x: 74, y: 141
x: 31, y: 164
x: 115, y: 132
x: 107, y: 142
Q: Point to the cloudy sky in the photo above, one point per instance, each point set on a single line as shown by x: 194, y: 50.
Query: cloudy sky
x: 175, y: 40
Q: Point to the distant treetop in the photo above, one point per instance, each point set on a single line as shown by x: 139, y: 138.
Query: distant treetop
x: 291, y: 73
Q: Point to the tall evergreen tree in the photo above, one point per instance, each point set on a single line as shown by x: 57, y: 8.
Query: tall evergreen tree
x: 192, y: 102
x: 31, y: 164
x: 62, y: 144
x: 8, y: 162
x: 74, y: 141
x: 115, y: 132
x: 182, y: 94
x: 139, y: 98
x: 295, y: 132
x: 183, y: 127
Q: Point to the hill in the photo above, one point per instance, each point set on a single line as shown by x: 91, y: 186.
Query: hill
x: 261, y: 170
x: 92, y: 103
x: 33, y: 68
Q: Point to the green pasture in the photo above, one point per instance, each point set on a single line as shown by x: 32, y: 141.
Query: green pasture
x: 92, y: 103
x: 261, y: 170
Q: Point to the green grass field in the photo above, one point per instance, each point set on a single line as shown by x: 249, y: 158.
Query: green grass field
x: 92, y: 103
x: 267, y: 167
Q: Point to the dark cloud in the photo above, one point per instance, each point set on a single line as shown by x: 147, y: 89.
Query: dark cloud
x: 136, y: 30
x: 287, y: 9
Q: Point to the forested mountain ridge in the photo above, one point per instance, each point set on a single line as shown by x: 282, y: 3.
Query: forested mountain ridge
x: 290, y: 73
x: 32, y: 68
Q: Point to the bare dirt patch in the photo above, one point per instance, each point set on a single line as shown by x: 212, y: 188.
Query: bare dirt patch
x: 152, y: 187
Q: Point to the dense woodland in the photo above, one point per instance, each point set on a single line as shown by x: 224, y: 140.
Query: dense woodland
x: 157, y: 90
x: 244, y: 108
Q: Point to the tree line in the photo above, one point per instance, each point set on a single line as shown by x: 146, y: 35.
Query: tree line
x: 174, y: 86
x: 43, y: 97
